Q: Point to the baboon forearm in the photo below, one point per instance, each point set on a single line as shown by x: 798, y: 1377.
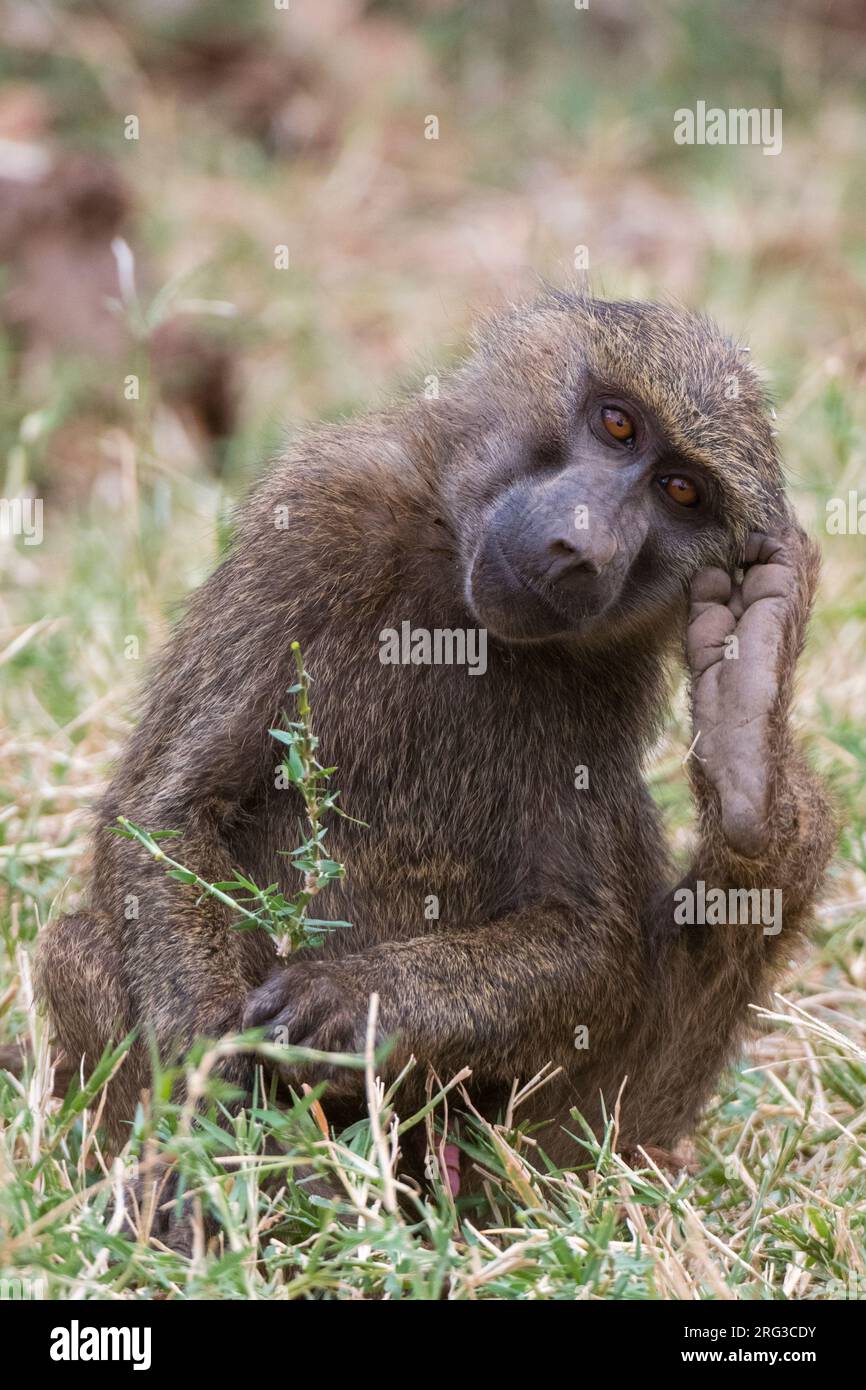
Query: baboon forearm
x: 461, y: 989
x: 707, y: 972
x: 798, y: 848
x: 504, y: 998
x: 764, y: 819
x: 714, y: 968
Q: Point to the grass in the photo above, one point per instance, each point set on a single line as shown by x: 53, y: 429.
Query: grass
x: 395, y: 243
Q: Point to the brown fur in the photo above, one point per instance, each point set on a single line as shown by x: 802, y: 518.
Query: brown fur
x: 555, y: 904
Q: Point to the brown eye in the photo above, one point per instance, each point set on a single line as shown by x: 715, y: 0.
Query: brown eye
x: 680, y: 490
x: 617, y: 423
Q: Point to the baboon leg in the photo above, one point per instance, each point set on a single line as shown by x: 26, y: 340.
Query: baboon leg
x: 80, y: 984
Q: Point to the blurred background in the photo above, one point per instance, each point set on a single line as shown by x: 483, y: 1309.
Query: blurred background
x: 221, y: 220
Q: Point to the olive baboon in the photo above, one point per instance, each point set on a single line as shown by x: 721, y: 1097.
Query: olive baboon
x: 597, y: 479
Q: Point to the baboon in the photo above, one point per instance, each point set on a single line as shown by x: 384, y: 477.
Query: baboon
x: 597, y: 488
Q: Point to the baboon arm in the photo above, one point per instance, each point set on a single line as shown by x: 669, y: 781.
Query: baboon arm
x: 705, y: 974
x: 766, y: 901
x: 765, y: 837
x: 800, y: 838
x: 505, y: 997
x: 764, y: 821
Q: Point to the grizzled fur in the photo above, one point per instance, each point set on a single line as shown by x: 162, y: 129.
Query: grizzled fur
x: 555, y: 905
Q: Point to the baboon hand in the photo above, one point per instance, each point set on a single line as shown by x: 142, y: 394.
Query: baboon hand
x: 317, y: 1004
x: 743, y: 640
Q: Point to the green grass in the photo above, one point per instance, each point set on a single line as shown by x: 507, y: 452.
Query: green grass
x: 396, y: 242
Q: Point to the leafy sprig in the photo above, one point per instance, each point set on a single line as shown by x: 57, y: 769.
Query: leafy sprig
x: 285, y: 920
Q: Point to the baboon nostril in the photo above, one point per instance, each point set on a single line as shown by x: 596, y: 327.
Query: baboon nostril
x: 568, y: 560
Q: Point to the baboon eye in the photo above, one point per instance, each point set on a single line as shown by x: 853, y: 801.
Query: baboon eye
x: 681, y: 490
x: 617, y: 423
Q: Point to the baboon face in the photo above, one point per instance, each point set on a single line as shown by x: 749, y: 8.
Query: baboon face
x: 627, y: 446
x: 609, y: 523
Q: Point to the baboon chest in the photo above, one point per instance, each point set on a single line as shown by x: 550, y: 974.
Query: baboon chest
x: 469, y: 835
